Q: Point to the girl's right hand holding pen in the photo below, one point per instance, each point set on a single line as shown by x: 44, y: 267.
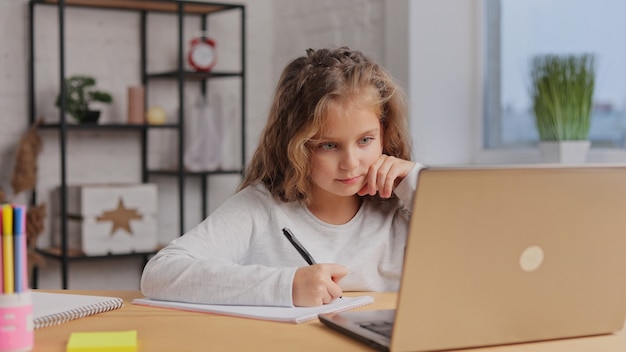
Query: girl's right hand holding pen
x: 315, y: 285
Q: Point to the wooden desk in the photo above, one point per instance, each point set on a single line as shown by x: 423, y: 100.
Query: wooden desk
x: 170, y: 330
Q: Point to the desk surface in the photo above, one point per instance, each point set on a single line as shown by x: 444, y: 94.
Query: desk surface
x: 170, y: 330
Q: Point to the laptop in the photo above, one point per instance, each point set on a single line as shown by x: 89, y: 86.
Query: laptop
x: 503, y: 255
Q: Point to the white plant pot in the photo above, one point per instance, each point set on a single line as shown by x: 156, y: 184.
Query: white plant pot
x: 565, y: 152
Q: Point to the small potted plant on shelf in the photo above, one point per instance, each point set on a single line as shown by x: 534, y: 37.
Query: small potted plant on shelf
x: 79, y: 94
x: 562, y: 100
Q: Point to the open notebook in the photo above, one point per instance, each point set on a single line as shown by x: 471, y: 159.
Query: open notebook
x: 56, y: 308
x: 282, y: 314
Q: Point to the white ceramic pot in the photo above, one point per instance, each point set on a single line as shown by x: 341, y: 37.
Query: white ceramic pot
x: 565, y: 152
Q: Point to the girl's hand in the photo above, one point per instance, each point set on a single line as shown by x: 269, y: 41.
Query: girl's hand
x: 384, y: 175
x: 315, y: 285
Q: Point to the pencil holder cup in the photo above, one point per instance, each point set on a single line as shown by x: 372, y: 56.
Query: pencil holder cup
x: 16, y: 322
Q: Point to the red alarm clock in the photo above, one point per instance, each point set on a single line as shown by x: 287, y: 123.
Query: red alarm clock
x: 202, y: 55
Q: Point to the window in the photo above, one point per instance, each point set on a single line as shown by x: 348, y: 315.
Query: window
x: 517, y: 30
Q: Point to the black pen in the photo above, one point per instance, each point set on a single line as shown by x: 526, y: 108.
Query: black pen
x: 299, y: 247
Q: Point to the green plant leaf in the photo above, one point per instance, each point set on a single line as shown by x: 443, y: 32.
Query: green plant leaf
x: 562, y: 95
x: 79, y: 93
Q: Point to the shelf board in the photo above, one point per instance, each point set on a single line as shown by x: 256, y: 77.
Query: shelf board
x: 105, y: 126
x: 194, y: 75
x: 189, y: 7
x: 95, y: 126
x: 165, y: 125
x: 73, y: 254
x: 193, y: 173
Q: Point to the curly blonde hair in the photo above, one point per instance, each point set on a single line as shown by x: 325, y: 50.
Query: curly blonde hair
x: 308, y: 88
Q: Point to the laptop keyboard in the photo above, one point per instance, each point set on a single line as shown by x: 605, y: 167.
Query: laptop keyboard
x: 380, y: 327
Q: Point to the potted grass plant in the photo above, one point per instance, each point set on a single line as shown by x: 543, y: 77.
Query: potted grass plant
x: 562, y: 99
x: 80, y: 92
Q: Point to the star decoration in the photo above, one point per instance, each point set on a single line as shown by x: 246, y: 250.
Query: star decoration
x: 120, y: 217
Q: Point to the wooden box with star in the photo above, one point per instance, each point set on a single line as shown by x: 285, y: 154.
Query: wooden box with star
x: 110, y: 218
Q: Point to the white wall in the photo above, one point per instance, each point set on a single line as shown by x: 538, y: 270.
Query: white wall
x: 444, y: 80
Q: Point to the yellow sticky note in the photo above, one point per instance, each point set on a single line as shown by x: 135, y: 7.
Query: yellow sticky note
x: 104, y: 341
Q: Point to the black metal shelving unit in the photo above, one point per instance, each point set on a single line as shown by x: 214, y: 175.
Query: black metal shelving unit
x: 181, y: 9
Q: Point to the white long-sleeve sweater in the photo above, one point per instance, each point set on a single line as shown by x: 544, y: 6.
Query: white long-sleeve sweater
x: 239, y: 255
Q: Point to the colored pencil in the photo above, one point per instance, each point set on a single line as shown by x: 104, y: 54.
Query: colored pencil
x: 7, y: 248
x: 1, y: 256
x: 19, y: 239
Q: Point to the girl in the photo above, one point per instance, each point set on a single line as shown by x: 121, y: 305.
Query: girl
x: 332, y: 167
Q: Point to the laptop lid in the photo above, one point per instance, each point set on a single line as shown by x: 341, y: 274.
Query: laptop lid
x: 500, y: 255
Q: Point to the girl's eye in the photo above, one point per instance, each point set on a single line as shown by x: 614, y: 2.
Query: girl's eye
x: 327, y: 146
x: 366, y: 140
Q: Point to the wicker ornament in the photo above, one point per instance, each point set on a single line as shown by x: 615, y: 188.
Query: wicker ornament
x: 25, y: 171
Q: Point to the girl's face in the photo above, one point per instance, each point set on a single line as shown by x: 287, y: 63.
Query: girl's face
x: 341, y: 156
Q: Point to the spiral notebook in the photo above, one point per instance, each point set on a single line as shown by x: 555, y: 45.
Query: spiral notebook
x: 56, y: 308
x: 295, y: 315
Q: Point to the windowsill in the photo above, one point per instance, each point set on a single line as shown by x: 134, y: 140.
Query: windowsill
x: 532, y: 156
